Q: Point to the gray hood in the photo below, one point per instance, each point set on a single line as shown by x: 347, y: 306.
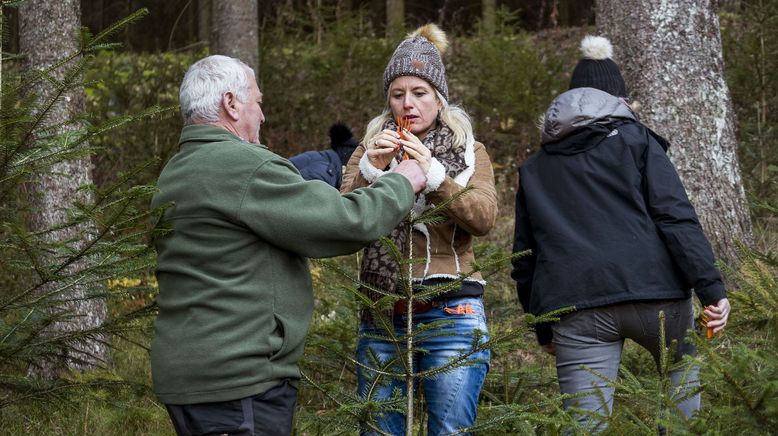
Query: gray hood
x: 581, y: 107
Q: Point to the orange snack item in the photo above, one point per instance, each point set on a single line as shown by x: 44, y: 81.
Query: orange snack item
x: 403, y: 124
x: 708, y: 330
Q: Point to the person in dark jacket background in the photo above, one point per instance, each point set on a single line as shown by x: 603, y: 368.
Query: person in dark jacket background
x: 613, y: 234
x: 327, y: 165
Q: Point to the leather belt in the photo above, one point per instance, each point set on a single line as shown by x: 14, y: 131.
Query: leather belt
x: 401, y: 306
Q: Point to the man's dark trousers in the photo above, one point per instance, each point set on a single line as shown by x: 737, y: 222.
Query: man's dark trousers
x: 268, y: 413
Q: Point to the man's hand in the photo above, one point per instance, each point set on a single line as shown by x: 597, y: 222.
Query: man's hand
x: 411, y: 170
x: 549, y: 348
x: 717, y: 315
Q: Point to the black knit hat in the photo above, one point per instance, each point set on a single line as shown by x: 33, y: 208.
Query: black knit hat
x: 342, y: 141
x: 597, y: 69
x: 341, y: 136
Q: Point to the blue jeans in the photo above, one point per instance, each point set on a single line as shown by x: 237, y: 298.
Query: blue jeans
x: 451, y: 397
x: 592, y: 339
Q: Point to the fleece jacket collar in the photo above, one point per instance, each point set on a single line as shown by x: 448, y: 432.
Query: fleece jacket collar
x: 200, y: 133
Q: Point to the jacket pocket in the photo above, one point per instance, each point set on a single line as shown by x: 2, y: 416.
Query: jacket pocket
x: 278, y: 340
x: 291, y: 339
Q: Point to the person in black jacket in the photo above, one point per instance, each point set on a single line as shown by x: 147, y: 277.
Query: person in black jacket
x: 613, y: 234
x: 327, y: 165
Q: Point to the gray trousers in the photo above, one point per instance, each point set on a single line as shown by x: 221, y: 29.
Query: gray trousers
x: 592, y: 340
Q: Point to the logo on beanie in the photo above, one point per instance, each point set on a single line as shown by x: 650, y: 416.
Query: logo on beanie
x: 419, y: 65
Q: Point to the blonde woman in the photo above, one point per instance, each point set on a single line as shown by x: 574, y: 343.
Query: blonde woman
x: 439, y: 136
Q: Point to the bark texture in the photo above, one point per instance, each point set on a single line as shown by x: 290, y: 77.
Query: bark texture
x: 671, y: 58
x: 48, y: 33
x: 204, y: 20
x: 235, y: 31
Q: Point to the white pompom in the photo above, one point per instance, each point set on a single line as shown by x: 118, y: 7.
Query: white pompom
x: 596, y: 48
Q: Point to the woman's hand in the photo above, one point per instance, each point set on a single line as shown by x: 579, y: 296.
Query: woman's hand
x: 382, y: 148
x: 416, y: 150
x: 717, y: 315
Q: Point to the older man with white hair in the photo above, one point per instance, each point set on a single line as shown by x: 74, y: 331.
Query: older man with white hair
x: 235, y: 294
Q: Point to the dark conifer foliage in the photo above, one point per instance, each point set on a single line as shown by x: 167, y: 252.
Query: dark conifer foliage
x: 39, y: 272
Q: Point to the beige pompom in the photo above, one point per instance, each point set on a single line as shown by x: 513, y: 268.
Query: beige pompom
x: 434, y: 34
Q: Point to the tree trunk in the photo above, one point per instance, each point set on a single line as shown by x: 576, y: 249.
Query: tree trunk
x: 235, y: 27
x: 343, y: 8
x: 395, y: 18
x: 204, y: 21
x: 670, y: 54
x: 488, y: 15
x: 48, y: 32
x: 553, y: 17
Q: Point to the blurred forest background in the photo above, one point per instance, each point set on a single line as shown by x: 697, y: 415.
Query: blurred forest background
x: 77, y: 288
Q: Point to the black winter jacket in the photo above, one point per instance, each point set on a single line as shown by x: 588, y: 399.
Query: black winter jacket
x: 605, y: 215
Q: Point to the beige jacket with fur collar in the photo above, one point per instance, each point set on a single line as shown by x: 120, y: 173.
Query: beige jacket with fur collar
x: 447, y: 247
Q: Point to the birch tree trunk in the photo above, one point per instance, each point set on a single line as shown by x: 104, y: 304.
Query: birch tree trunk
x: 671, y: 57
x: 48, y: 32
x: 235, y: 30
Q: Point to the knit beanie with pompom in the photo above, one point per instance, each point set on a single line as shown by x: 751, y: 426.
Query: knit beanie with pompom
x: 597, y: 69
x: 420, y: 55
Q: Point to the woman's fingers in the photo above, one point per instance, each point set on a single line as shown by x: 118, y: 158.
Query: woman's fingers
x: 417, y: 153
x: 387, y: 139
x: 384, y: 145
x: 417, y: 144
x: 381, y: 155
x: 718, y: 315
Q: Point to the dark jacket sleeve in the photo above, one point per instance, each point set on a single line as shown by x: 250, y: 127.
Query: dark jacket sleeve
x: 319, y: 165
x: 524, y: 265
x: 678, y: 225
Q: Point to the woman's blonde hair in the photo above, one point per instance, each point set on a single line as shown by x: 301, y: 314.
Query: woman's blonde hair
x: 454, y: 116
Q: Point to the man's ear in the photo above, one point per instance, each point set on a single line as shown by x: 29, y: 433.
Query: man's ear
x: 229, y: 104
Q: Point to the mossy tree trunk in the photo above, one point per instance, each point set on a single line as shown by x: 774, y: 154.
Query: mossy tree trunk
x: 671, y: 56
x: 49, y: 32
